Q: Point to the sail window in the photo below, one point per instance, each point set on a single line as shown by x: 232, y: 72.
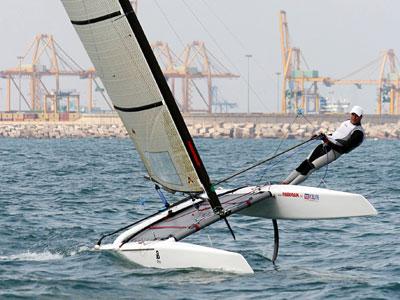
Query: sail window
x: 163, y: 167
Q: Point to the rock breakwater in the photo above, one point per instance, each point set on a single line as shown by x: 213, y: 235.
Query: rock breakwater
x: 286, y: 130
x: 43, y: 130
x: 200, y: 129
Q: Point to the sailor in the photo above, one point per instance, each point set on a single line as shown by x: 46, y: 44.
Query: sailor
x: 347, y: 137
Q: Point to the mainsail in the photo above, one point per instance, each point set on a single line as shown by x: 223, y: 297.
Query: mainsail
x: 123, y: 58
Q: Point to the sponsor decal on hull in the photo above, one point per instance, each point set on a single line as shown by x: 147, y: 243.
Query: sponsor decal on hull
x: 309, y: 197
x: 290, y: 194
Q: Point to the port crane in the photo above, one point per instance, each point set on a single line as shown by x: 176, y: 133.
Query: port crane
x: 45, y: 58
x: 195, y: 63
x: 300, y: 88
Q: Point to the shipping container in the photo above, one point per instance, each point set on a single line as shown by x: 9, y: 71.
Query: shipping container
x: 393, y: 76
x: 52, y: 117
x: 18, y: 117
x: 30, y: 116
x: 63, y: 116
x: 73, y: 116
x: 297, y: 73
x: 7, y: 117
x: 311, y: 73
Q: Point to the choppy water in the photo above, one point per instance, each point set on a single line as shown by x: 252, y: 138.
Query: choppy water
x: 58, y: 196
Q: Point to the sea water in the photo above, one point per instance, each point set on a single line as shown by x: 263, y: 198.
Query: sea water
x: 57, y: 197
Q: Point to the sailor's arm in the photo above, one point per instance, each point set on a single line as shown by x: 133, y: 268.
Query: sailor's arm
x: 343, y: 146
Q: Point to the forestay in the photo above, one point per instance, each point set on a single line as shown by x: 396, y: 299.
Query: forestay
x: 133, y: 79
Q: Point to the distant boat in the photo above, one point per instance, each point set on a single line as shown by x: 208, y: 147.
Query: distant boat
x: 119, y: 49
x: 334, y: 106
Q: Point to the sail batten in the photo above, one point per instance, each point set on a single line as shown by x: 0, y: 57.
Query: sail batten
x: 139, y: 108
x: 124, y: 61
x: 97, y: 19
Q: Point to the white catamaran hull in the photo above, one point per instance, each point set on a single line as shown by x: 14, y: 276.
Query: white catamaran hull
x: 293, y: 202
x: 277, y: 202
x: 169, y: 254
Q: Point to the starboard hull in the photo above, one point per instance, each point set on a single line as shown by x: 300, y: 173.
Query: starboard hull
x: 290, y: 202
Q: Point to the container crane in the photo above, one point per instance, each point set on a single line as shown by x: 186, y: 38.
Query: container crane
x: 196, y: 63
x: 44, y: 58
x: 295, y: 78
x: 199, y: 63
x: 388, y: 82
x: 295, y: 94
x: 167, y: 60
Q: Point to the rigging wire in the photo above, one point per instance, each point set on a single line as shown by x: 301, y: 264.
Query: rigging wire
x: 221, y: 65
x: 281, y: 159
x: 225, y: 26
x: 275, y: 155
x: 170, y: 24
x: 326, y: 169
x: 299, y: 113
x: 223, y: 52
x: 198, y: 90
x: 309, y: 122
x: 374, y: 70
x: 264, y: 161
x: 322, y: 180
x: 279, y: 146
x: 304, y: 60
x: 183, y: 45
x: 396, y: 59
x: 236, y: 38
x: 69, y: 57
x: 218, y: 46
x: 284, y: 138
x: 360, y: 69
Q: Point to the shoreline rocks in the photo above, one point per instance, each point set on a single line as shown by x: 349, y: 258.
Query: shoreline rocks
x: 215, y: 130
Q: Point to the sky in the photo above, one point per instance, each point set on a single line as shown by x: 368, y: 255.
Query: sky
x: 336, y: 37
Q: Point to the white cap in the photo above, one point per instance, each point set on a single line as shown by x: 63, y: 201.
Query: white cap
x: 357, y: 110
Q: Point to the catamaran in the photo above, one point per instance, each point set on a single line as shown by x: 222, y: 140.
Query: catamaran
x: 118, y: 47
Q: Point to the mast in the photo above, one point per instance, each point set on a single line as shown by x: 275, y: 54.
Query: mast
x: 171, y: 104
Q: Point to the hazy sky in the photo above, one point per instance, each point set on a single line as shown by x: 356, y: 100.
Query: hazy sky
x: 336, y: 37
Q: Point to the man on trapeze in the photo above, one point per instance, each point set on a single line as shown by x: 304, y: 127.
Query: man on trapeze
x: 347, y: 137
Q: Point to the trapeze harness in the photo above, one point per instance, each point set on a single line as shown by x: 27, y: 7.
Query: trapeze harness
x: 346, y: 138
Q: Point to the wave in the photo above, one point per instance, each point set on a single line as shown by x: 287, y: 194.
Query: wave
x: 81, y: 250
x: 43, y: 256
x: 33, y: 256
